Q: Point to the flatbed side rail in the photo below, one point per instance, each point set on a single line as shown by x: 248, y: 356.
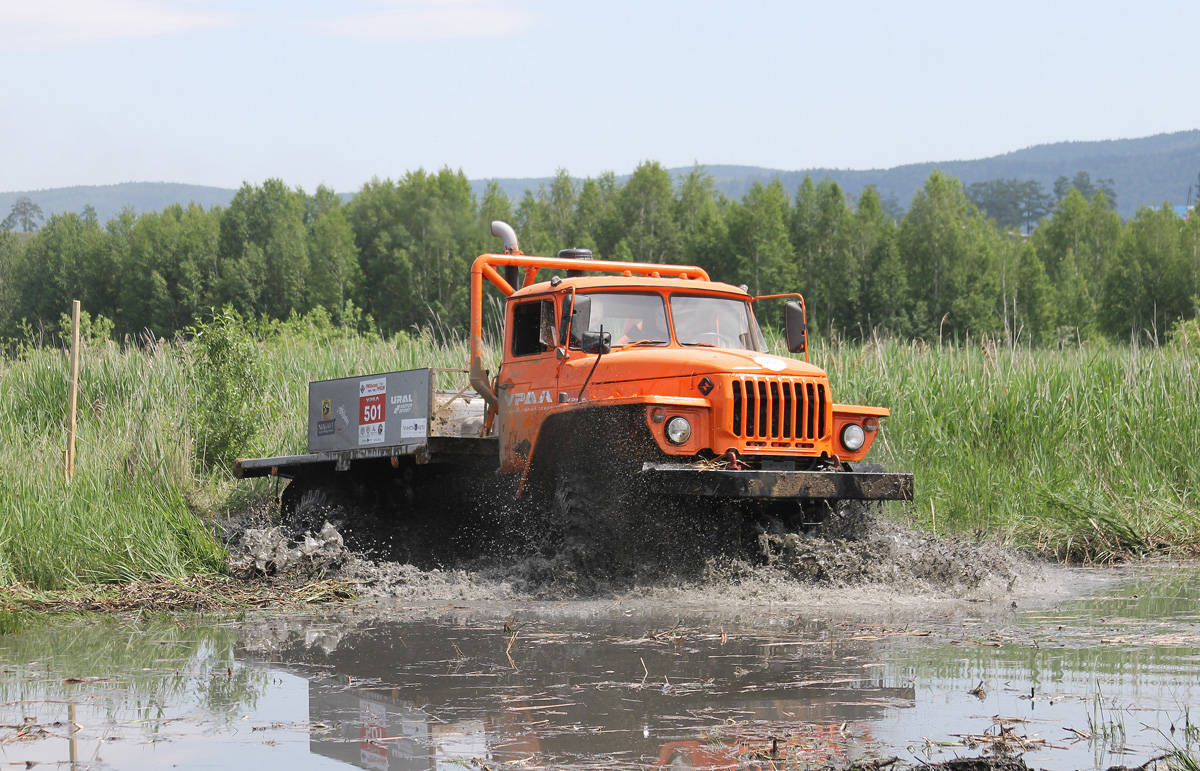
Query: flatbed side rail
x: 687, y: 480
x: 433, y: 449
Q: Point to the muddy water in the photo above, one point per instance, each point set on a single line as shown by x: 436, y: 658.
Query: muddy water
x: 1100, y: 668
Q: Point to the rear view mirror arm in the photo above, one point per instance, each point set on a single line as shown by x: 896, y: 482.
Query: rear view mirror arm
x: 599, y: 355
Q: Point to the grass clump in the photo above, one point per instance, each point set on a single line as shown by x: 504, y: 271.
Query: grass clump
x: 1083, y: 454
x: 228, y: 413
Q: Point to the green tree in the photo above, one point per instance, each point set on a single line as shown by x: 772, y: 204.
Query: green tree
x: 443, y: 209
x: 264, y: 235
x: 171, y: 269
x: 697, y: 191
x: 25, y: 213
x: 416, y: 240
x: 560, y: 202
x: 1027, y: 298
x: 1082, y: 181
x: 334, y: 273
x: 806, y: 234
x: 834, y: 274
x: 1189, y: 253
x: 1143, y: 290
x: 533, y: 224
x: 884, y: 294
x: 69, y: 259
x: 951, y: 266
x: 758, y: 230
x: 1011, y: 203
x: 230, y: 410
x: 495, y: 205
x: 703, y: 231
x: 1076, y: 314
x: 10, y: 248
x: 376, y: 213
x: 595, y: 209
x: 644, y: 205
x: 1090, y: 230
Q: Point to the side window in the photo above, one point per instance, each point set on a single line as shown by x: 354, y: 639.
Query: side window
x: 527, y: 327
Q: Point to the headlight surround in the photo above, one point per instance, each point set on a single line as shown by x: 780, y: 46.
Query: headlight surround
x: 678, y: 430
x: 853, y: 437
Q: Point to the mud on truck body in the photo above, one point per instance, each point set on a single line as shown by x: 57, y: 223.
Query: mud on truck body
x: 628, y: 394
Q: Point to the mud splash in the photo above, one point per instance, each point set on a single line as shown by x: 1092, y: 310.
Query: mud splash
x: 854, y: 547
x: 854, y: 552
x: 271, y: 551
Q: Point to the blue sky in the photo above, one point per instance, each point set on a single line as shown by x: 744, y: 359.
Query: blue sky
x: 218, y: 92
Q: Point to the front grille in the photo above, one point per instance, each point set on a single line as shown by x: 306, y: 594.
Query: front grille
x: 779, y: 409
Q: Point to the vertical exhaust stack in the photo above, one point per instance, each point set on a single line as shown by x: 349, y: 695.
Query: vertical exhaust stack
x: 478, y: 376
x: 505, y: 233
x: 575, y: 254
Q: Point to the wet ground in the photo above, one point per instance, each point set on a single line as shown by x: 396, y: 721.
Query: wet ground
x: 1070, y: 669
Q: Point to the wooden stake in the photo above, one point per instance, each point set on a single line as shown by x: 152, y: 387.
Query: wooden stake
x: 73, y: 391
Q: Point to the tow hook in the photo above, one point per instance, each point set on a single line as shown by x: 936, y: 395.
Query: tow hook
x: 731, y: 456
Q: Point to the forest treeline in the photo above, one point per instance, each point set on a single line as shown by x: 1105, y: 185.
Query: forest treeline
x: 397, y: 255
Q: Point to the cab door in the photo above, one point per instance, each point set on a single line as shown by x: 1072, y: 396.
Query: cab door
x: 527, y: 383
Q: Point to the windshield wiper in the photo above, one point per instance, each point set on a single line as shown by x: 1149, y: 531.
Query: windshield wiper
x: 641, y: 342
x: 701, y: 345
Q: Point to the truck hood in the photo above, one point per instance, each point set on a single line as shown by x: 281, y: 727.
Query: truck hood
x: 646, y: 363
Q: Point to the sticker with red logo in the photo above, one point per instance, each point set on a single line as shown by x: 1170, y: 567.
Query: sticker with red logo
x: 372, y: 410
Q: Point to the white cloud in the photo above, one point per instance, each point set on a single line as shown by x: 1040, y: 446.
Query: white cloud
x: 40, y: 24
x: 433, y: 20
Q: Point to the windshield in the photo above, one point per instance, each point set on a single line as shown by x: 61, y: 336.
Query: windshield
x: 630, y: 318
x: 719, y: 322
x: 640, y: 318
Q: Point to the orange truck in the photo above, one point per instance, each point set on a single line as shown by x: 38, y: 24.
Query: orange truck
x: 621, y: 387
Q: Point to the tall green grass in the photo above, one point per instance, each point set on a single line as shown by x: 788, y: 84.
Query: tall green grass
x: 138, y: 502
x: 129, y: 511
x: 1085, y: 453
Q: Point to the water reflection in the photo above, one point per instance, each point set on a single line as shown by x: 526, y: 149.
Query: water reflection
x: 1089, y: 683
x: 399, y: 694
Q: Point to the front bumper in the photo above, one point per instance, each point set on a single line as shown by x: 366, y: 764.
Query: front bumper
x: 687, y: 480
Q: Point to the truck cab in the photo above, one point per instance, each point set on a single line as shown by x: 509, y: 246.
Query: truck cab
x: 688, y: 354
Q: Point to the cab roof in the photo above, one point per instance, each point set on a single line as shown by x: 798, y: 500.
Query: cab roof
x: 610, y: 281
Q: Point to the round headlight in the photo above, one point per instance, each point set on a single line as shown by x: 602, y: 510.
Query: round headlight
x: 853, y: 437
x: 678, y: 430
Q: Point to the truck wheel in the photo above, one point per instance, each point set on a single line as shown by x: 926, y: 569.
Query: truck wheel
x: 314, y: 507
x: 580, y: 508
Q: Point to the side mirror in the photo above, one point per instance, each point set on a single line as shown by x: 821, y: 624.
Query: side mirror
x: 597, y: 342
x: 581, y: 318
x: 796, y: 326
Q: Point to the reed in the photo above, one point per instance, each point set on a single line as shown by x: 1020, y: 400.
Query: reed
x: 130, y: 511
x: 1083, y: 453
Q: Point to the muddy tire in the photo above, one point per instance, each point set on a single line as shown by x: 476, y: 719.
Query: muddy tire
x: 847, y: 520
x: 582, y: 508
x: 313, y: 508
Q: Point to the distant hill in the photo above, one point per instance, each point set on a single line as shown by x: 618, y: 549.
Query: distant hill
x: 1146, y: 171
x: 109, y: 200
